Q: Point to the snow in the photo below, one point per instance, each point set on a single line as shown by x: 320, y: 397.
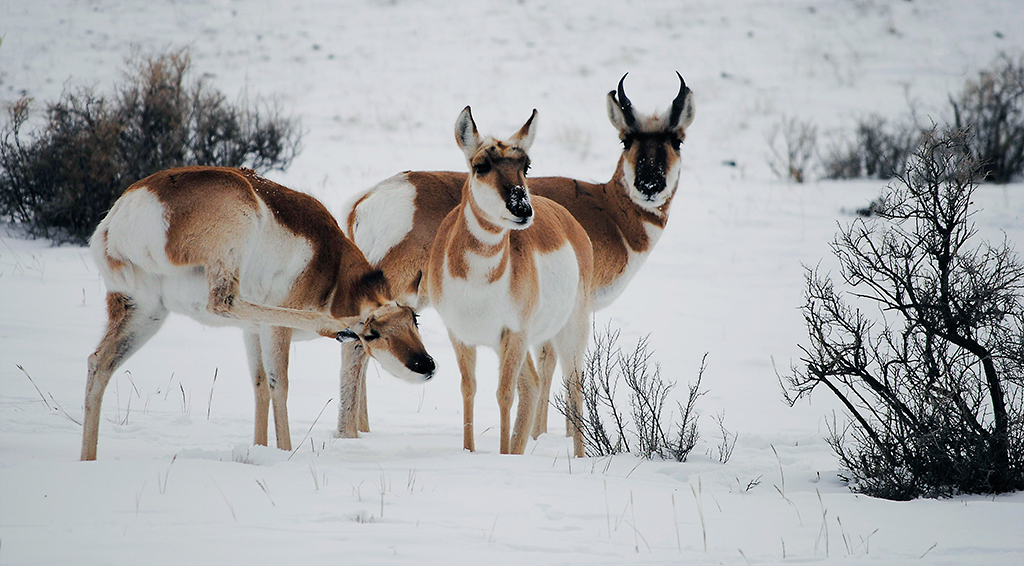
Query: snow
x: 378, y: 85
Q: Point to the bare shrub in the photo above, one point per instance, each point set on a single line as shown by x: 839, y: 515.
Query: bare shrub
x: 607, y: 429
x: 993, y: 108
x: 879, y: 150
x: 59, y: 181
x: 792, y: 144
x: 934, y: 389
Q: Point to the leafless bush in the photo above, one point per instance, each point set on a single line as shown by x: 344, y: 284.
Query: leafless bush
x: 58, y: 182
x: 879, y: 150
x: 792, y: 145
x: 992, y: 107
x: 934, y: 391
x: 605, y: 426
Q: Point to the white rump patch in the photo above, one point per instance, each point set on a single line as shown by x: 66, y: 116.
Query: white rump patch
x: 384, y: 217
x: 136, y: 236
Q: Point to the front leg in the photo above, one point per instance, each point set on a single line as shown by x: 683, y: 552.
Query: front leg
x: 353, y: 371
x: 513, y: 354
x: 276, y: 342
x: 465, y: 355
x: 259, y: 384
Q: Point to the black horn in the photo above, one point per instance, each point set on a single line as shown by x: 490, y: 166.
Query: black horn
x: 677, y: 104
x: 626, y: 106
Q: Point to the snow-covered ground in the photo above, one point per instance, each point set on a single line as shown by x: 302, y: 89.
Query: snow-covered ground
x: 378, y: 85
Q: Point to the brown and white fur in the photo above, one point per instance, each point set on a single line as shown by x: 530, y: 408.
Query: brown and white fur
x: 227, y: 247
x: 395, y: 221
x: 510, y: 271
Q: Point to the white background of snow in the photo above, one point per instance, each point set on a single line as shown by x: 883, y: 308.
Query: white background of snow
x: 378, y: 85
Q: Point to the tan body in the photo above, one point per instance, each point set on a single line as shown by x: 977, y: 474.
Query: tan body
x: 508, y: 271
x: 227, y: 247
x: 395, y: 222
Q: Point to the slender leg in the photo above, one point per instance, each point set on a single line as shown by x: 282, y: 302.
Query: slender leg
x: 571, y: 345
x: 276, y: 343
x: 546, y: 360
x: 512, y: 355
x: 259, y: 384
x: 224, y: 301
x: 466, y: 357
x: 130, y: 324
x: 364, y: 416
x: 528, y: 386
x: 353, y: 369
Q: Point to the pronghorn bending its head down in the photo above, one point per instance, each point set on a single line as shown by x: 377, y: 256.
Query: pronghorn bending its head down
x: 510, y: 271
x: 227, y: 247
x: 394, y: 223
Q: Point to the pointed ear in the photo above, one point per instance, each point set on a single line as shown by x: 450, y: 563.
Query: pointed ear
x: 466, y: 134
x: 524, y: 137
x: 680, y: 115
x: 615, y: 114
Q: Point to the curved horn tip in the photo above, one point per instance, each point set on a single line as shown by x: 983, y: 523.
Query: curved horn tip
x: 682, y: 83
x: 624, y: 101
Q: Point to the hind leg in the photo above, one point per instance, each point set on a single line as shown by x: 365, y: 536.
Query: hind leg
x: 546, y: 359
x: 527, y: 385
x: 130, y: 324
x: 571, y: 345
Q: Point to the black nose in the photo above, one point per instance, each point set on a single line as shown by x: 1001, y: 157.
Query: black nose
x: 422, y: 364
x: 518, y: 203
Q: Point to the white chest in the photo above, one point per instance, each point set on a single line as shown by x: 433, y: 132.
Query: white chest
x: 477, y: 310
x: 606, y: 295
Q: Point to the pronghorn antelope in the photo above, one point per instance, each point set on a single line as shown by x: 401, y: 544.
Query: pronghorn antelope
x: 395, y: 221
x: 227, y: 247
x: 509, y: 271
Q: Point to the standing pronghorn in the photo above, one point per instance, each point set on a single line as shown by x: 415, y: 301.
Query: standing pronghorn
x: 510, y: 272
x: 227, y: 247
x: 395, y: 221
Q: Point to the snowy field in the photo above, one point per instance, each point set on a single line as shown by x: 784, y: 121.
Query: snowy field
x: 378, y: 85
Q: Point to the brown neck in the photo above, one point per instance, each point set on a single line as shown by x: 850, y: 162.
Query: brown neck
x: 358, y: 286
x: 630, y: 217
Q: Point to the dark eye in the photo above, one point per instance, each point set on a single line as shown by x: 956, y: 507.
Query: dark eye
x: 676, y: 142
x: 371, y: 336
x: 526, y: 168
x: 627, y: 142
x: 416, y: 319
x: 482, y: 168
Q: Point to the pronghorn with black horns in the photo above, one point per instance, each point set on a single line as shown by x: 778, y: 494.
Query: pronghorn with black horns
x: 395, y: 221
x: 509, y: 271
x: 228, y: 247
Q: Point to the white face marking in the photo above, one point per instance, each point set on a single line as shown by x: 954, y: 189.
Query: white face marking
x: 493, y: 207
x: 641, y: 200
x: 384, y: 218
x: 477, y: 231
x: 392, y: 365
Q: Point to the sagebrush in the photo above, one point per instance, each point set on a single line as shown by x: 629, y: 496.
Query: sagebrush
x: 992, y: 107
x: 933, y: 385
x: 59, y: 180
x: 647, y: 430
